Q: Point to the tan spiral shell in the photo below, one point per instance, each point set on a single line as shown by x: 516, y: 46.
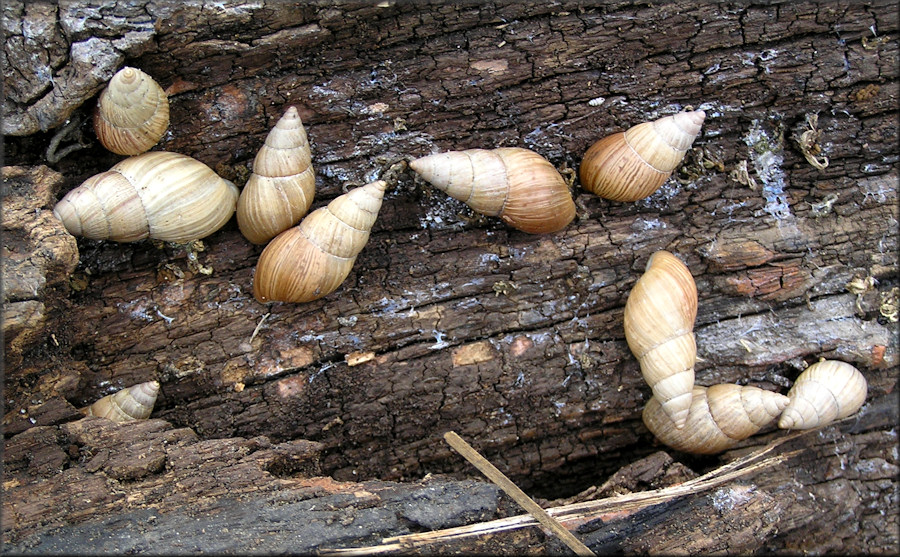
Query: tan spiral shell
x: 826, y: 391
x: 720, y: 416
x: 132, y: 403
x: 160, y: 195
x: 518, y: 185
x: 312, y: 259
x: 659, y: 322
x: 631, y: 165
x: 132, y: 113
x: 281, y: 188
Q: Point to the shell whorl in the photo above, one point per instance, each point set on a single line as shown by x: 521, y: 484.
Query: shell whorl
x: 313, y: 258
x: 132, y: 113
x: 132, y: 403
x: 282, y: 185
x: 518, y: 185
x: 160, y: 195
x: 631, y: 165
x: 827, y: 390
x: 720, y: 416
x: 658, y: 322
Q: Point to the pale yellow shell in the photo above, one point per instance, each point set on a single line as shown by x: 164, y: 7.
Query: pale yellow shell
x: 659, y: 322
x: 826, y: 391
x: 132, y: 403
x: 631, y: 165
x: 312, y: 259
x: 518, y: 185
x: 281, y: 188
x: 132, y: 113
x: 720, y: 416
x: 160, y: 195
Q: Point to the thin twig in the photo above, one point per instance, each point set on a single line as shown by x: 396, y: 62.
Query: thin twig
x: 630, y: 502
x: 517, y: 494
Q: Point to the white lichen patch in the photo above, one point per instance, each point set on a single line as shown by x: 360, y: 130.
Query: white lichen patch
x: 767, y: 159
x: 727, y: 498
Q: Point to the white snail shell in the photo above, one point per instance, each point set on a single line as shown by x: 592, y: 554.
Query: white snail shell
x: 312, y: 259
x: 132, y: 403
x: 132, y: 113
x: 160, y: 195
x: 518, y: 185
x: 826, y: 391
x: 631, y: 165
x: 720, y: 416
x: 659, y: 322
x: 281, y: 188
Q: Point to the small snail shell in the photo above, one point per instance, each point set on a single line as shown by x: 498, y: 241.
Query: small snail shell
x: 719, y: 417
x: 281, y: 187
x: 518, y: 185
x: 659, y: 322
x: 160, y: 195
x: 631, y: 165
x: 133, y: 403
x: 826, y: 391
x: 132, y: 113
x: 312, y: 259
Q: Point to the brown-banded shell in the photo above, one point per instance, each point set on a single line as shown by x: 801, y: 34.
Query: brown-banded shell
x: 720, y: 416
x: 631, y: 165
x: 312, y: 259
x: 281, y: 188
x: 518, y: 185
x: 160, y: 195
x: 132, y: 113
x: 826, y: 391
x: 659, y: 323
x: 132, y: 403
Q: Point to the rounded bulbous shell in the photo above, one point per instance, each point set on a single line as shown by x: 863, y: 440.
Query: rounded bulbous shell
x: 160, y: 195
x: 281, y: 188
x: 659, y: 322
x: 826, y: 391
x: 720, y: 416
x: 631, y: 165
x: 133, y: 403
x: 132, y: 113
x: 312, y: 259
x: 518, y: 185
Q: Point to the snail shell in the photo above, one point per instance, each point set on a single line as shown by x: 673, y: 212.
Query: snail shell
x: 281, y: 188
x: 517, y: 185
x: 132, y: 403
x: 631, y: 165
x: 312, y: 259
x: 720, y: 416
x: 132, y: 113
x: 826, y: 391
x: 659, y: 322
x: 160, y: 195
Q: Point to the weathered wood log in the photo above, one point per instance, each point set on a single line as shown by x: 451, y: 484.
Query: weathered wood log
x: 451, y: 320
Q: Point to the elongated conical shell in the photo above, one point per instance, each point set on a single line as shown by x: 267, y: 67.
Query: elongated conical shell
x: 826, y: 391
x: 281, y: 188
x: 517, y: 185
x: 132, y: 403
x: 132, y: 113
x: 659, y: 322
x: 160, y: 195
x: 719, y: 417
x: 312, y: 259
x: 631, y: 165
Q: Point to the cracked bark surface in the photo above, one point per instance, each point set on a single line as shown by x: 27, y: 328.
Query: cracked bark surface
x: 450, y: 320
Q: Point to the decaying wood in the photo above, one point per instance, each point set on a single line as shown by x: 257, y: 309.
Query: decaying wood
x: 450, y: 321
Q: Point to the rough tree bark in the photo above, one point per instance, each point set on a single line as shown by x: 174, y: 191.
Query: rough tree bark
x: 297, y: 427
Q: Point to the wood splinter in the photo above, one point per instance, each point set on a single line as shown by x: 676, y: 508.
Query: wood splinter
x: 511, y: 489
